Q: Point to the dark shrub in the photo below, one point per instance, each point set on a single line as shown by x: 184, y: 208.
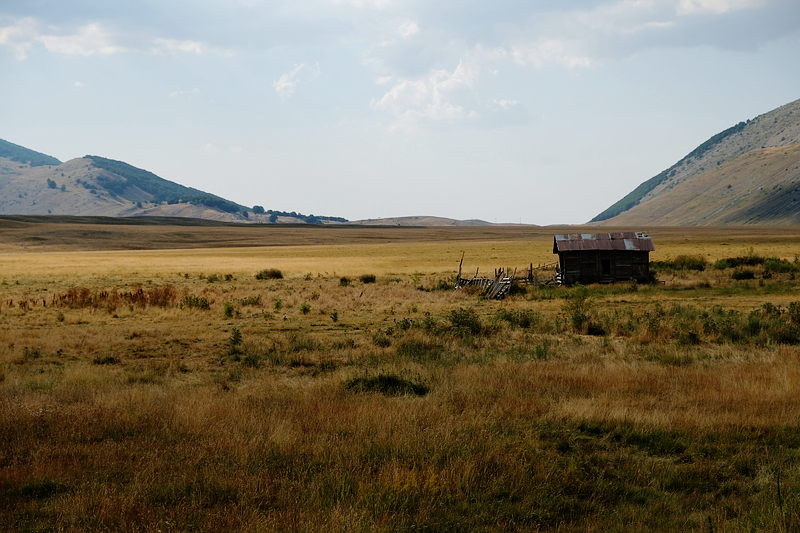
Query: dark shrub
x: 743, y: 273
x: 419, y: 350
x: 42, y: 489
x: 381, y: 340
x: 465, y: 321
x: 250, y: 300
x: 387, y: 384
x: 750, y: 259
x: 780, y: 266
x: 690, y: 262
x: 195, y: 302
x: 578, y: 308
x: 681, y: 262
x: 270, y: 273
x: 107, y: 360
x: 523, y: 318
x: 367, y: 278
x: 235, y: 341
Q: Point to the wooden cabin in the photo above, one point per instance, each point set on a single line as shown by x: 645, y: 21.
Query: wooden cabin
x: 603, y: 257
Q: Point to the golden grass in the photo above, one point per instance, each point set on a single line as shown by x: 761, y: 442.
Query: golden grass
x: 141, y: 418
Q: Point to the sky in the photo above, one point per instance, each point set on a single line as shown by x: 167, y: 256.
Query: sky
x: 522, y: 111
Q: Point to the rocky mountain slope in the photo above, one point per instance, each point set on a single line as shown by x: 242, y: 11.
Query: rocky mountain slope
x: 747, y: 174
x: 32, y: 183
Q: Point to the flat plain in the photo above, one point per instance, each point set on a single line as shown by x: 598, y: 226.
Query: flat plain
x: 172, y: 378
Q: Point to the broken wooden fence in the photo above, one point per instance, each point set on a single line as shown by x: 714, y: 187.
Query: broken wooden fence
x: 499, y: 286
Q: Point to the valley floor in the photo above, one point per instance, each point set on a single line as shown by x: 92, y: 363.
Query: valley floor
x: 172, y: 390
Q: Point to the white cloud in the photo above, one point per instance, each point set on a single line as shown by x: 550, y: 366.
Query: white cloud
x: 716, y: 7
x: 78, y: 84
x: 184, y: 92
x: 369, y: 4
x: 547, y: 52
x: 286, y: 84
x: 19, y: 36
x: 88, y: 40
x: 91, y: 39
x: 175, y: 46
x: 430, y: 97
x: 505, y: 104
x: 408, y: 29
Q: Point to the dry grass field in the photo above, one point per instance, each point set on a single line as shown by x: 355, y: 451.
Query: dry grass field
x: 150, y: 382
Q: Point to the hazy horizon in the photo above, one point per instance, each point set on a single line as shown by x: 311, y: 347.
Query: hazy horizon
x: 509, y: 111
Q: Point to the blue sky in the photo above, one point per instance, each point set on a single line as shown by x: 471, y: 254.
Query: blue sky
x: 530, y: 111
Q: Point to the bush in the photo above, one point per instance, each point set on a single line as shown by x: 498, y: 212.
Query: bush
x: 227, y: 310
x: 367, y: 278
x: 381, y: 340
x: 195, y: 302
x: 741, y: 274
x: 302, y: 343
x: 387, y: 384
x: 690, y: 262
x: 305, y: 308
x: 40, y: 490
x: 465, y: 321
x: 235, y: 341
x: 344, y: 281
x: 270, y: 273
x: 750, y: 259
x: 107, y: 360
x: 781, y: 266
x: 250, y: 300
x: 419, y: 350
x: 681, y: 262
x: 523, y: 318
x: 578, y: 308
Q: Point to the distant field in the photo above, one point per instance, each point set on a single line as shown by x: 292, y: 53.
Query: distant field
x: 167, y: 388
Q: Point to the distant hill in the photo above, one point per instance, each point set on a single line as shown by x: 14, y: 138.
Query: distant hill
x: 420, y: 221
x: 20, y: 154
x: 746, y: 174
x: 32, y: 183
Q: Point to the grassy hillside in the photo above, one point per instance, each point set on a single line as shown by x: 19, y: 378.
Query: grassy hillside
x: 635, y: 196
x: 775, y: 129
x: 21, y: 154
x: 759, y: 187
x: 161, y: 189
x: 32, y: 183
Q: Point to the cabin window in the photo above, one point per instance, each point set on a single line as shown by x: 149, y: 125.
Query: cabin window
x: 605, y: 267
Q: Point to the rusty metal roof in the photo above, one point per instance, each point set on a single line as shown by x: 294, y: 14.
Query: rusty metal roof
x: 637, y: 241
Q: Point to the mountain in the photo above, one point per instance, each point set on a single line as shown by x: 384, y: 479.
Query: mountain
x: 20, y: 154
x: 32, y: 183
x: 747, y: 174
x: 420, y: 221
